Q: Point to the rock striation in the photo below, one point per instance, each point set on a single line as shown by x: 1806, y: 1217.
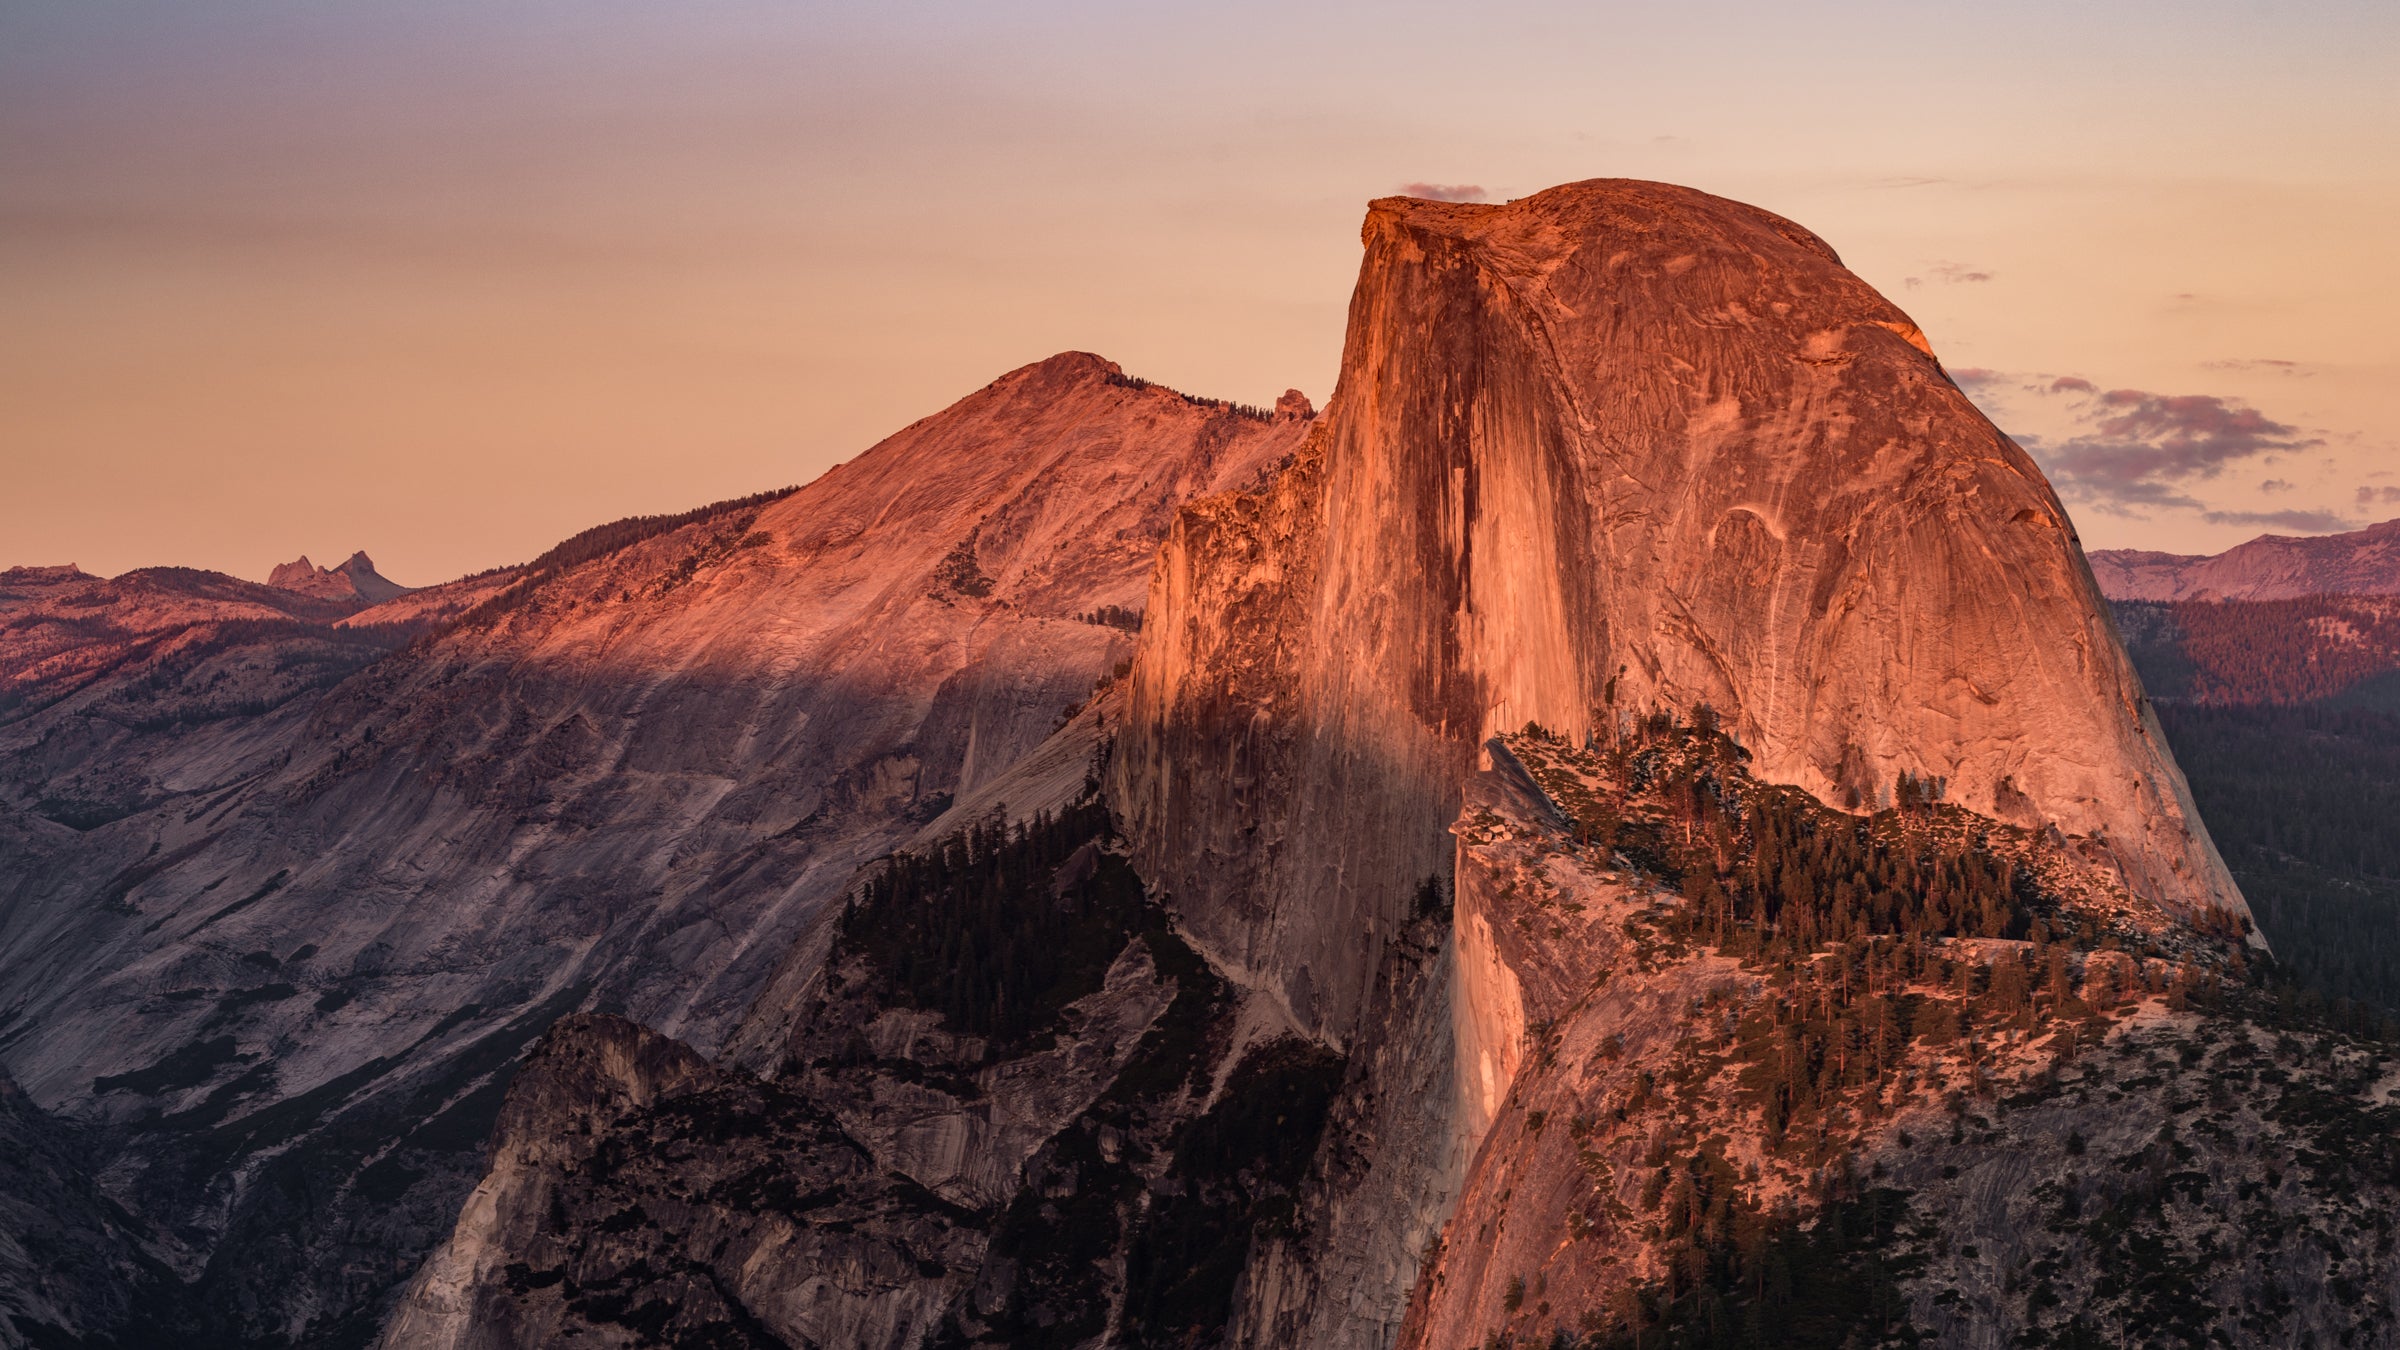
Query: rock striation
x: 2270, y: 567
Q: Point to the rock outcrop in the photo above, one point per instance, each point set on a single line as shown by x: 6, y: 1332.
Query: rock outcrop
x: 2270, y: 567
x: 1871, y: 1118
x: 1614, y: 447
x: 1013, y: 1109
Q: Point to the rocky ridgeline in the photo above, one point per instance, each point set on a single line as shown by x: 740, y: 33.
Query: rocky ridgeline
x: 2270, y: 567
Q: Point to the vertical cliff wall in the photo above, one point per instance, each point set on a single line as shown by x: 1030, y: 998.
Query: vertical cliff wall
x: 1615, y: 447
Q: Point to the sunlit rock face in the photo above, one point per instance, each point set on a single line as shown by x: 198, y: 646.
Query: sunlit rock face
x: 287, y: 989
x: 1614, y: 447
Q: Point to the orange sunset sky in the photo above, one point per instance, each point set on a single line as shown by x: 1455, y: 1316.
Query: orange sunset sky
x: 449, y: 281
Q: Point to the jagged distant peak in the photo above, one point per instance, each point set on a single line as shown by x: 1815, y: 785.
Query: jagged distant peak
x: 355, y: 578
x: 2270, y: 567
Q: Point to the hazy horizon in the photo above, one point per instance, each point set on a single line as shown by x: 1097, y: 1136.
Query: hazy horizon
x: 447, y: 285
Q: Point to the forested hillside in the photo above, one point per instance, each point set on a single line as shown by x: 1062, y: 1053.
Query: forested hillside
x: 2285, y: 715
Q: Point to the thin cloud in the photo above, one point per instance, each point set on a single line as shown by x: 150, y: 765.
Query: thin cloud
x: 2265, y: 364
x: 2136, y: 449
x: 2379, y: 496
x: 2275, y: 485
x: 1445, y: 192
x: 2299, y: 522
x: 1957, y: 273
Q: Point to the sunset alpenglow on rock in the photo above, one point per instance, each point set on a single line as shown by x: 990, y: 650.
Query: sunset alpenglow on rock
x: 1231, y: 676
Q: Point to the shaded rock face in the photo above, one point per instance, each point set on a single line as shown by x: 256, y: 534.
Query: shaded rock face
x: 119, y: 694
x: 72, y: 1263
x: 1071, y: 1138
x: 2270, y: 567
x: 1614, y: 447
x: 286, y: 988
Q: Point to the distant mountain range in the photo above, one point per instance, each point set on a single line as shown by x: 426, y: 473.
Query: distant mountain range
x: 2270, y: 567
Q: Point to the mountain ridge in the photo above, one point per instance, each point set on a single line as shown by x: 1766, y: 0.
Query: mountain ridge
x: 591, y: 786
x: 2270, y: 567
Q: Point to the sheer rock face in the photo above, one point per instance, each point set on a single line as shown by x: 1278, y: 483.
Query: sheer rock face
x: 625, y: 783
x: 1615, y: 447
x: 2270, y: 567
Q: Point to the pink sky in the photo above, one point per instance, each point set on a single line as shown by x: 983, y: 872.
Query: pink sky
x: 449, y: 284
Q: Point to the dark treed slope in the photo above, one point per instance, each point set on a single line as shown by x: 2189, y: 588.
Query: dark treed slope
x: 2285, y: 715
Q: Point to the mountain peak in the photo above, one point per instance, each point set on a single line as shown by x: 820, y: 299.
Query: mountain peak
x: 1614, y: 451
x: 355, y: 579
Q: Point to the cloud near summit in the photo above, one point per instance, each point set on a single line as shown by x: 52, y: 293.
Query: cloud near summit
x: 2133, y: 448
x: 1445, y: 192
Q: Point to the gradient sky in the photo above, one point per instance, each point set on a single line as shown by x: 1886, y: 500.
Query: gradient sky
x: 448, y: 281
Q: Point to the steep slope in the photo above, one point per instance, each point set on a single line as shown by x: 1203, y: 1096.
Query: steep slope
x: 1016, y: 1110
x: 625, y: 782
x: 2270, y: 567
x: 1612, y: 448
x: 73, y: 1263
